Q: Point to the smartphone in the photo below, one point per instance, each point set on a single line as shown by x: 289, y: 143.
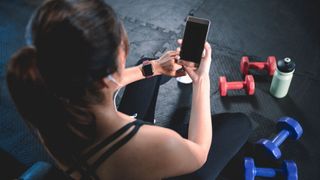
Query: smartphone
x: 194, y: 38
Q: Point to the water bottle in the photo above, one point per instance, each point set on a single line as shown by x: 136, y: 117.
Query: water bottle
x: 282, y: 78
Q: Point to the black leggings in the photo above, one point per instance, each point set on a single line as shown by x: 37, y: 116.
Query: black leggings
x: 230, y: 130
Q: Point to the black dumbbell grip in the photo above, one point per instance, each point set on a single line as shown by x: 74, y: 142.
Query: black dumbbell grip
x: 280, y: 137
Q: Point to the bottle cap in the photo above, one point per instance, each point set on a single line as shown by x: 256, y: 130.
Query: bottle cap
x: 286, y: 65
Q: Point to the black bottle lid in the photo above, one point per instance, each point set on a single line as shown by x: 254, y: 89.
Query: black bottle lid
x: 286, y: 65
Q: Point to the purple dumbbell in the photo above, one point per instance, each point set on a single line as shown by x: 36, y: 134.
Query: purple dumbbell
x: 288, y: 170
x: 288, y: 127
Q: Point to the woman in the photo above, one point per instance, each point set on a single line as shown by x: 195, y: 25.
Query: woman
x: 64, y: 85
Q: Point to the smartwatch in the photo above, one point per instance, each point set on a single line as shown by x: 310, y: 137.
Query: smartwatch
x: 147, y: 69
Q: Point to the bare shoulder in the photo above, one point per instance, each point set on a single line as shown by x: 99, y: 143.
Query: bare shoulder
x: 158, y: 130
x: 144, y: 155
x: 154, y: 153
x: 159, y: 137
x: 165, y: 152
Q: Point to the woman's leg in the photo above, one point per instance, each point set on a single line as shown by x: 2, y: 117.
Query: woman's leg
x: 230, y: 132
x: 140, y: 97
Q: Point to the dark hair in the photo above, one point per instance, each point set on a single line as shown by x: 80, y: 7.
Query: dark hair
x: 54, y: 81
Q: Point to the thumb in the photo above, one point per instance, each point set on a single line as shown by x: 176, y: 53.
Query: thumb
x: 190, y: 71
x: 206, y: 60
x: 208, y: 50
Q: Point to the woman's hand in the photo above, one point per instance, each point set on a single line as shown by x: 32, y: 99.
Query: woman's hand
x: 204, y: 67
x: 167, y: 65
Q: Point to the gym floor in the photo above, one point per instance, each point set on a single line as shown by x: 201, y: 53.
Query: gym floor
x: 286, y: 28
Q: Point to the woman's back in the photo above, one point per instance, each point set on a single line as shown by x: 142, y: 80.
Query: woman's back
x: 119, y: 154
x: 137, y: 150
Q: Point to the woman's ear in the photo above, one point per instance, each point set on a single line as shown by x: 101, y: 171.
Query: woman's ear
x: 112, y: 81
x: 105, y: 82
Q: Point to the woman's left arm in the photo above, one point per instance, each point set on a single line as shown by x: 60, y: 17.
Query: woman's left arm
x: 166, y: 65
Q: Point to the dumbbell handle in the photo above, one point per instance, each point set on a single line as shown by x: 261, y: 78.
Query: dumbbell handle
x: 257, y: 65
x: 281, y: 136
x: 266, y: 172
x: 235, y: 85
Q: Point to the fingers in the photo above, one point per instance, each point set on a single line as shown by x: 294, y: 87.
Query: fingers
x: 171, y: 53
x: 176, y: 67
x: 171, y: 65
x: 203, y: 53
x: 187, y: 63
x: 206, y: 60
x: 177, y: 58
x: 208, y: 50
x: 179, y: 41
x: 190, y: 72
x: 180, y: 73
x: 171, y: 68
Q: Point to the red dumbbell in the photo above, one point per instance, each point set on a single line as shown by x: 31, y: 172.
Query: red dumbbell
x: 247, y: 84
x: 269, y: 65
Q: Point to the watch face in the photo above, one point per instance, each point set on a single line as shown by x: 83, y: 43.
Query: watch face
x: 147, y: 69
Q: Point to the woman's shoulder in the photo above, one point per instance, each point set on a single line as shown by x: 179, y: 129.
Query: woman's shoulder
x: 142, y: 155
x: 154, y: 152
x: 157, y: 142
x: 157, y: 134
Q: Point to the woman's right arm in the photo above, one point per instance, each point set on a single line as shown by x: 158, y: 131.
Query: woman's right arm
x: 175, y: 154
x: 200, y: 128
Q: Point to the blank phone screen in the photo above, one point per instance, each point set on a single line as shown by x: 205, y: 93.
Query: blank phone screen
x: 193, y: 41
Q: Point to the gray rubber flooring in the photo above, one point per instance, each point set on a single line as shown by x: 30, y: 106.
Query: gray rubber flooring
x: 248, y: 27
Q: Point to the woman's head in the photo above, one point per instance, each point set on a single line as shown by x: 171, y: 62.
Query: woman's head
x: 55, y: 81
x: 77, y: 43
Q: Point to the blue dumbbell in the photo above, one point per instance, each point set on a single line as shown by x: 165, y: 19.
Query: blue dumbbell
x: 288, y: 170
x: 288, y: 127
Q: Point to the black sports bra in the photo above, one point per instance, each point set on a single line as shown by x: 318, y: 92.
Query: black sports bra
x: 89, y: 171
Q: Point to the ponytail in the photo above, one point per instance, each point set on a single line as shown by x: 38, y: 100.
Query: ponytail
x: 23, y: 78
x: 22, y: 63
x: 42, y: 110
